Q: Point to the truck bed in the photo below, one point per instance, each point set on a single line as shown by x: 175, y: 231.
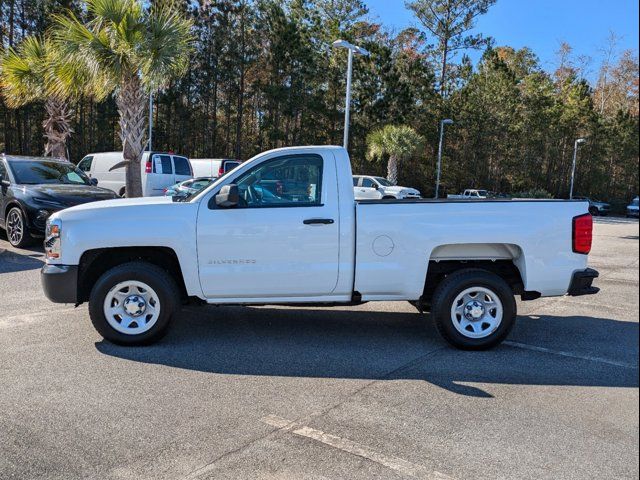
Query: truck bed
x: 398, y: 239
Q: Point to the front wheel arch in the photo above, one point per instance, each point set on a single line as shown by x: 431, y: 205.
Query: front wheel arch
x: 27, y: 240
x: 151, y: 278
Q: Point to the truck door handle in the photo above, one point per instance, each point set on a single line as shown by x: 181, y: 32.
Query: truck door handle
x: 318, y: 221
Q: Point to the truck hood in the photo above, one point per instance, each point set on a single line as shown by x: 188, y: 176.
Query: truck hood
x: 398, y: 189
x: 120, y: 203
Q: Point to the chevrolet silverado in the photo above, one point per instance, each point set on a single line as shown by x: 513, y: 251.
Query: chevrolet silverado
x: 284, y: 228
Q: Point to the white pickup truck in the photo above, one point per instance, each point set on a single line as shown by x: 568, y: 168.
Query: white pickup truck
x: 284, y: 228
x: 470, y: 194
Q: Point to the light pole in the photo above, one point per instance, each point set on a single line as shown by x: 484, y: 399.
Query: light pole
x: 359, y: 51
x: 446, y: 121
x: 150, y: 119
x: 579, y: 141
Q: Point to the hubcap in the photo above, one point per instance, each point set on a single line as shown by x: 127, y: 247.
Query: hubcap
x: 15, y: 229
x: 132, y: 307
x: 135, y: 305
x: 477, y: 312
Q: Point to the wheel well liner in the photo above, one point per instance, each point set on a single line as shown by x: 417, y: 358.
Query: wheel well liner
x: 439, y: 270
x: 94, y: 263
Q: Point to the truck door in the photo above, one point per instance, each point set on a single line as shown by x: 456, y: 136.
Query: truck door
x: 370, y: 189
x: 281, y: 240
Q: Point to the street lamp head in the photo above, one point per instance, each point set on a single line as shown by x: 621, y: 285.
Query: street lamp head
x: 580, y: 141
x: 350, y: 46
x: 447, y: 121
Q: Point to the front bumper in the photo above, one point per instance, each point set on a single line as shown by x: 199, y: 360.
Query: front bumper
x: 581, y: 283
x: 60, y: 283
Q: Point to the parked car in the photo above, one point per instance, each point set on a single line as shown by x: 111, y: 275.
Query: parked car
x: 188, y: 187
x: 632, y: 208
x: 375, y: 188
x: 32, y: 188
x: 596, y: 207
x: 212, y: 167
x: 471, y: 194
x: 159, y: 170
x: 229, y: 244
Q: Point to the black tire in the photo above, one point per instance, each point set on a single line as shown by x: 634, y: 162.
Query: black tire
x: 155, y: 277
x: 456, y: 283
x: 24, y: 239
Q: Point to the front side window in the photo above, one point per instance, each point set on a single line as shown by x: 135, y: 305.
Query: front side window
x: 368, y: 183
x: 37, y: 173
x: 292, y: 181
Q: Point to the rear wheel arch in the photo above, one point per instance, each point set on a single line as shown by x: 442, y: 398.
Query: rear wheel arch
x: 503, y: 260
x: 94, y: 263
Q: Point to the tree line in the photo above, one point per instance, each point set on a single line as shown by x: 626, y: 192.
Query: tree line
x: 262, y: 74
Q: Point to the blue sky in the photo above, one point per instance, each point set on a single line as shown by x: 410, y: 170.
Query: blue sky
x: 541, y: 24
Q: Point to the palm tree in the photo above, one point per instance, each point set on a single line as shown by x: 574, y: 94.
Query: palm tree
x: 30, y: 73
x: 398, y: 142
x: 132, y: 50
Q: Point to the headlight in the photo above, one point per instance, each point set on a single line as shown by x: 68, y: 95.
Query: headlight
x: 52, y: 240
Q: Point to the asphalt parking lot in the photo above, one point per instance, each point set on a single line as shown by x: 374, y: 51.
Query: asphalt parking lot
x: 338, y: 393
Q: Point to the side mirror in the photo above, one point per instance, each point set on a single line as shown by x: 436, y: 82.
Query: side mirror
x: 228, y: 196
x: 94, y: 182
x: 4, y: 182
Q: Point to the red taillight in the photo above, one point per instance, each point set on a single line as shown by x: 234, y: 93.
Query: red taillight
x: 147, y: 167
x: 582, y: 233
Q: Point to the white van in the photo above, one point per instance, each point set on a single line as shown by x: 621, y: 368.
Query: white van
x: 159, y: 171
x: 212, y: 167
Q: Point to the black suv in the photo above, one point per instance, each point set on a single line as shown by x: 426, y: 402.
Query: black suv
x: 32, y: 188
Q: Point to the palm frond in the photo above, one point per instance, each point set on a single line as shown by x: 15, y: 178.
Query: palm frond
x: 400, y: 141
x: 22, y: 77
x: 166, y: 47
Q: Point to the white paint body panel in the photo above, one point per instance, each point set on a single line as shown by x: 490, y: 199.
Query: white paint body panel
x: 381, y: 250
x: 538, y: 234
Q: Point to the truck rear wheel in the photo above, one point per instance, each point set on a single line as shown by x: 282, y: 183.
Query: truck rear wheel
x: 474, y: 309
x: 133, y: 303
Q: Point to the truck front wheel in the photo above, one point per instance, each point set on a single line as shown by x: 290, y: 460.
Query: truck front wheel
x: 474, y: 309
x: 133, y: 303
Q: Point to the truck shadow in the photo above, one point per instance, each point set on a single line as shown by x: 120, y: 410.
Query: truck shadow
x: 359, y: 344
x: 11, y: 262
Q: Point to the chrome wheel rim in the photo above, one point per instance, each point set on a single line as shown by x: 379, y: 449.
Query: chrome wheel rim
x: 15, y: 227
x: 132, y: 307
x: 477, y: 312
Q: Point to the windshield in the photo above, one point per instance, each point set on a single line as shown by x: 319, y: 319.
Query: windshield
x: 635, y: 202
x: 383, y: 181
x: 193, y: 187
x: 38, y: 172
